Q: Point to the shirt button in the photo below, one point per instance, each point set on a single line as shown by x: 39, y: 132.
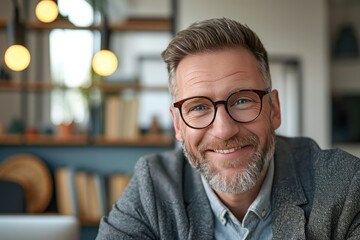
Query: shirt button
x: 263, y: 213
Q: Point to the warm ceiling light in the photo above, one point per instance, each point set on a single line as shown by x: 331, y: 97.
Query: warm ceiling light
x: 17, y: 57
x: 104, y: 63
x: 46, y: 11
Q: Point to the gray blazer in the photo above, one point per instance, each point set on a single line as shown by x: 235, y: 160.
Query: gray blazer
x: 315, y: 195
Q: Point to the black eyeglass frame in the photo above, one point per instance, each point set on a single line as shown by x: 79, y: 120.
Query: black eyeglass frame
x: 260, y: 93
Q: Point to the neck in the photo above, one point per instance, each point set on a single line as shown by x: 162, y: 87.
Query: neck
x: 239, y: 203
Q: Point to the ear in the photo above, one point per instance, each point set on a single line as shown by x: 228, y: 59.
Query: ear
x: 176, y: 122
x: 275, y: 111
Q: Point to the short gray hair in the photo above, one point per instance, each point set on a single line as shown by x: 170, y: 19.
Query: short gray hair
x: 209, y: 35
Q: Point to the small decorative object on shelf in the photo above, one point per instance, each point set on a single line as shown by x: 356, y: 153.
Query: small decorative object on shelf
x: 65, y: 130
x: 154, y: 131
x: 31, y: 132
x: 16, y: 126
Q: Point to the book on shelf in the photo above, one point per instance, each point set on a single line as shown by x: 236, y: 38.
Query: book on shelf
x: 131, y: 124
x: 114, y: 108
x: 96, y: 197
x: 91, y: 195
x: 82, y: 193
x: 65, y: 191
x: 117, y: 183
x: 87, y: 195
x: 121, y: 116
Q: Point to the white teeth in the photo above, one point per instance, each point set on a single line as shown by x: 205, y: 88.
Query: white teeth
x: 225, y: 151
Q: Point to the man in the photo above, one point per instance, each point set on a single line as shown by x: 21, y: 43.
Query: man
x: 234, y: 178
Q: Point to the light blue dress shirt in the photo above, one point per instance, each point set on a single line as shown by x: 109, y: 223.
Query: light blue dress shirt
x: 257, y: 221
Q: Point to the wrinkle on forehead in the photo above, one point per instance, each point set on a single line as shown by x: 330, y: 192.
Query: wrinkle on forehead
x: 200, y: 77
x: 217, y: 71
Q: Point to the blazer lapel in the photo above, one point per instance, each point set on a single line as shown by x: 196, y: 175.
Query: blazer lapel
x: 287, y: 196
x: 200, y: 217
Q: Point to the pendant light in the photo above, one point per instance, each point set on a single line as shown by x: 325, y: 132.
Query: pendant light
x: 46, y: 11
x: 105, y: 61
x: 17, y: 57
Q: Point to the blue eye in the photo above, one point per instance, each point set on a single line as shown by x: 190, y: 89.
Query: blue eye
x: 242, y: 101
x: 198, y: 108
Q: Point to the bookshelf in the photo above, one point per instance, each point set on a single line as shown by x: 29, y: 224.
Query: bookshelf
x: 79, y: 139
x: 83, y: 151
x: 38, y: 87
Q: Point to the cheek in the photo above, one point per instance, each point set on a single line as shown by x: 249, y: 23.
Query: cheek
x: 183, y: 133
x: 192, y: 137
x: 262, y: 127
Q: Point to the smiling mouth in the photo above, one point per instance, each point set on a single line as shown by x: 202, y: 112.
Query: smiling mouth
x: 226, y: 151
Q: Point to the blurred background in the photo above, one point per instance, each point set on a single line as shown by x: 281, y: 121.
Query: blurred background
x: 66, y: 108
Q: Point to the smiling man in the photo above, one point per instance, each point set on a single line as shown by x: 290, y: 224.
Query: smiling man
x: 233, y: 178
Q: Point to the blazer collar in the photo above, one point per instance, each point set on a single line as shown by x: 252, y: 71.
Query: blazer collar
x: 201, y: 219
x: 287, y: 196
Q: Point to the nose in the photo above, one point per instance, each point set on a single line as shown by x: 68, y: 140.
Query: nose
x: 224, y: 127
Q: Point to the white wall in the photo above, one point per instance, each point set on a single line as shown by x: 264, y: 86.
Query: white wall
x: 287, y: 28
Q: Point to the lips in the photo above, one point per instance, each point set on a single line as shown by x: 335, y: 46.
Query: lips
x: 226, y: 151
x: 230, y: 146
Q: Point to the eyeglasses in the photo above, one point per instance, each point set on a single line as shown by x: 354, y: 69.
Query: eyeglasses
x: 243, y: 106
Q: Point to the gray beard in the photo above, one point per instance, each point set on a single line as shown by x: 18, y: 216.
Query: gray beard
x: 245, y: 179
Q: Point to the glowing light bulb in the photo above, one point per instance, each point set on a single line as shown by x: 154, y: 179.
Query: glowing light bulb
x: 46, y: 11
x: 17, y: 57
x: 104, y: 63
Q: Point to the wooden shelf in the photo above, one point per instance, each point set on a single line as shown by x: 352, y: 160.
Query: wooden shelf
x: 142, y: 24
x: 83, y: 140
x: 20, y: 139
x: 11, y: 139
x: 10, y: 85
x: 117, y: 87
x: 131, y: 24
x: 57, y: 140
x: 158, y: 140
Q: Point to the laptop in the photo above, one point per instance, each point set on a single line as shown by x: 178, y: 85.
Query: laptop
x: 39, y: 227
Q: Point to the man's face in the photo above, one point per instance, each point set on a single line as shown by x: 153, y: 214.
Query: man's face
x: 230, y: 155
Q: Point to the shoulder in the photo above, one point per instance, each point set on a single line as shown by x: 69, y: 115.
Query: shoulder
x: 167, y: 164
x: 147, y: 206
x: 327, y: 182
x: 297, y: 144
x: 330, y: 171
x: 165, y: 159
x: 161, y: 174
x: 306, y: 149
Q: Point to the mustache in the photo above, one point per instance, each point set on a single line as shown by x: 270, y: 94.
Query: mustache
x: 234, y: 142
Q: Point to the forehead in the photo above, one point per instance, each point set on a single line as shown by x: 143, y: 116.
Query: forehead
x: 217, y: 73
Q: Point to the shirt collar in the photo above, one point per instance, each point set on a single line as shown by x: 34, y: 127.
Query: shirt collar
x: 261, y: 205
